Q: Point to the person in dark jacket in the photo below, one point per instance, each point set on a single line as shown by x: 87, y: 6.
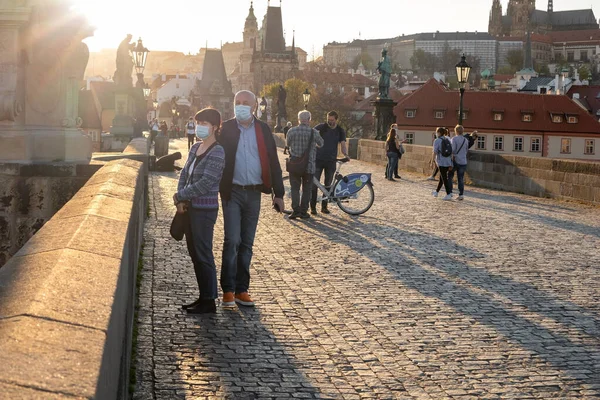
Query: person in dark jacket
x: 251, y: 168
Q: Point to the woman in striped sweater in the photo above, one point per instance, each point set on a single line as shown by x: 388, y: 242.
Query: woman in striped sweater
x: 197, y: 191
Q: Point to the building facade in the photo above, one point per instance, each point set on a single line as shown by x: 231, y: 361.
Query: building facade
x: 508, y: 123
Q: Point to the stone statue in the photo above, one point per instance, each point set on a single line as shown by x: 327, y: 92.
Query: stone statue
x: 385, y: 69
x: 122, y: 76
x: 281, y: 96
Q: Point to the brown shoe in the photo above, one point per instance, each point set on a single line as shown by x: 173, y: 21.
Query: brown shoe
x: 228, y: 299
x: 244, y: 299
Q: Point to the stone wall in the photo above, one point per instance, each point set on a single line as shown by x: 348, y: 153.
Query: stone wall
x: 67, y: 296
x: 30, y: 194
x: 541, y: 177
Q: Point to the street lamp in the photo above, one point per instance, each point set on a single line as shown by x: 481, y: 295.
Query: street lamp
x: 140, y: 54
x: 147, y: 91
x: 263, y: 109
x: 462, y: 75
x: 306, y: 97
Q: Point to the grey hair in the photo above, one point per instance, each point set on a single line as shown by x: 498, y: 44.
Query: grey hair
x: 304, y: 116
x: 248, y: 93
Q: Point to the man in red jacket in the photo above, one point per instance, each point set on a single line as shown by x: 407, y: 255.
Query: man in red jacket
x: 251, y: 168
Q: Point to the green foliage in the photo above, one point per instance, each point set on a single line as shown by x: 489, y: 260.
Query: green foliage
x: 543, y: 70
x: 584, y: 73
x: 505, y: 70
x: 294, y: 101
x: 515, y: 59
x: 270, y: 91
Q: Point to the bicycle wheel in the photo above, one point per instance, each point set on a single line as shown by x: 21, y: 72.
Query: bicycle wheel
x: 359, y: 202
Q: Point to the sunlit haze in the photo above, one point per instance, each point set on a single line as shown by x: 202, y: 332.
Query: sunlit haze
x: 188, y: 25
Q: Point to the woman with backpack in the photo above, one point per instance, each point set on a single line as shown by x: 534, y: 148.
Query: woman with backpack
x: 442, y: 150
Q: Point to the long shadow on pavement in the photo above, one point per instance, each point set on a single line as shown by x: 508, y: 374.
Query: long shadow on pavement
x: 478, y: 293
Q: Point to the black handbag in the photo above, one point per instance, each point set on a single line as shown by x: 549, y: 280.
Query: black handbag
x: 298, y: 165
x: 179, y: 225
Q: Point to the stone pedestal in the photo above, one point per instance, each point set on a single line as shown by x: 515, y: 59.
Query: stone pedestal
x: 384, y: 117
x: 42, y: 61
x: 122, y: 128
x: 161, y: 145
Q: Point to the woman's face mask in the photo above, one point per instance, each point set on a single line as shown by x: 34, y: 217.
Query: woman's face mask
x: 203, y: 131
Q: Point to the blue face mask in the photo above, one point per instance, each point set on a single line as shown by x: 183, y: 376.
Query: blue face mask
x: 202, y: 131
x: 243, y: 112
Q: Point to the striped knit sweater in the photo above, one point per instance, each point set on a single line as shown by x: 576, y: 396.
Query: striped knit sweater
x: 203, y: 187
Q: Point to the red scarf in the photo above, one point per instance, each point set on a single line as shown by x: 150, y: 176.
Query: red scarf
x: 264, y: 156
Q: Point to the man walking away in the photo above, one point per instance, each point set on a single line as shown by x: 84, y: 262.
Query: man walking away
x: 332, y: 134
x: 298, y: 141
x: 191, y: 132
x: 286, y: 129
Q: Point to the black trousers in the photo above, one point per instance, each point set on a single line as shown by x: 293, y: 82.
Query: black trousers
x: 191, y: 140
x: 300, y: 199
x: 329, y: 168
x: 444, y: 180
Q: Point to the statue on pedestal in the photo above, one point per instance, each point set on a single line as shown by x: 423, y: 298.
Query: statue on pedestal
x: 122, y: 76
x: 281, y: 112
x: 385, y: 69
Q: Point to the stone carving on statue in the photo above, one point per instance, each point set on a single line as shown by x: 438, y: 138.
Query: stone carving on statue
x: 385, y: 70
x: 122, y: 76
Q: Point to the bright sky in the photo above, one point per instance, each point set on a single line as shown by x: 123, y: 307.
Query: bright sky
x: 187, y: 25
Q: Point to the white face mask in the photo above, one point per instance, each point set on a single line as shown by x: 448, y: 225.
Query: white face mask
x: 202, y: 131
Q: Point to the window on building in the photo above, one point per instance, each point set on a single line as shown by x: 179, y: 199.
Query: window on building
x: 518, y: 143
x: 536, y: 145
x: 583, y: 56
x: 481, y: 142
x: 570, y: 56
x: 572, y: 119
x: 410, y: 113
x: 565, y: 146
x: 499, y: 143
x: 410, y: 137
x: 498, y: 116
x: 439, y: 114
x: 557, y: 119
x: 589, y: 146
x: 361, y: 91
x: 527, y: 117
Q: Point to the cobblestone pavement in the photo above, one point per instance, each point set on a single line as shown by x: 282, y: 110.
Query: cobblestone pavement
x: 493, y: 297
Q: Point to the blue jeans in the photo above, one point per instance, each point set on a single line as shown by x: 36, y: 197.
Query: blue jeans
x: 240, y: 215
x: 392, y: 165
x: 199, y: 240
x: 460, y: 173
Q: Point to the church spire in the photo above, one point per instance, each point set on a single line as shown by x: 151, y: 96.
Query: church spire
x: 550, y: 11
x: 293, y: 42
x: 528, y: 60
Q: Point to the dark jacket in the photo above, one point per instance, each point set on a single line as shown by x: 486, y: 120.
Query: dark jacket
x: 229, y: 138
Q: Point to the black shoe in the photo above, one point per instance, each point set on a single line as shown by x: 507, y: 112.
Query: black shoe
x: 313, y: 211
x: 391, y: 179
x: 186, y: 306
x: 397, y: 177
x: 324, y: 210
x: 294, y: 215
x: 304, y: 215
x: 203, y: 307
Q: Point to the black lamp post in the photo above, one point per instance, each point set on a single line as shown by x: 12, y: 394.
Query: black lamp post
x: 140, y: 55
x: 462, y: 75
x: 306, y: 97
x: 263, y: 109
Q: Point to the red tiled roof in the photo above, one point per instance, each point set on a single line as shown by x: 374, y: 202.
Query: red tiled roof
x: 503, y: 77
x: 587, y: 35
x: 591, y: 95
x: 479, y: 106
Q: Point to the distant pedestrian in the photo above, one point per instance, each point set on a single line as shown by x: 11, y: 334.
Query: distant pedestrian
x: 432, y: 164
x: 164, y: 129
x: 286, y: 128
x: 197, y: 191
x: 298, y: 142
x: 333, y: 135
x: 190, y: 129
x: 392, y: 150
x: 251, y: 168
x: 442, y: 148
x: 460, y: 148
x: 401, y: 151
x: 154, y: 129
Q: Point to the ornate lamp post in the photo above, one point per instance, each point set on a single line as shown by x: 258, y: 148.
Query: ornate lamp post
x: 263, y: 109
x: 462, y: 74
x: 306, y: 97
x: 140, y: 55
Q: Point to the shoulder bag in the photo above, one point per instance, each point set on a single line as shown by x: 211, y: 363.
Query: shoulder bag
x: 298, y: 165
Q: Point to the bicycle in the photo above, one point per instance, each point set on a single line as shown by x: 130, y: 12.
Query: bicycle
x: 352, y: 193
